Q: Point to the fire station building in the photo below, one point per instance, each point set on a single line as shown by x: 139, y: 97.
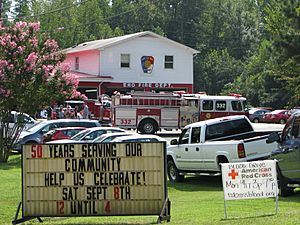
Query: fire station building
x: 142, y: 61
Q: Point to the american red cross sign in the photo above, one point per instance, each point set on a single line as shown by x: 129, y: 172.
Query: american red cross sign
x: 256, y: 179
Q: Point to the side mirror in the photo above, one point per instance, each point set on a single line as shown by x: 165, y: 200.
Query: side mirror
x: 174, y: 142
x: 273, y: 137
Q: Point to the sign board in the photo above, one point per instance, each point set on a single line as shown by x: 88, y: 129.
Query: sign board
x: 94, y: 179
x: 248, y: 180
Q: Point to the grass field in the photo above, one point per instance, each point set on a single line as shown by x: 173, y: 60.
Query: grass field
x: 199, y: 200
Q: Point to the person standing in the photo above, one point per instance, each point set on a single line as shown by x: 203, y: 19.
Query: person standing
x: 43, y: 113
x: 86, y: 112
x: 61, y: 114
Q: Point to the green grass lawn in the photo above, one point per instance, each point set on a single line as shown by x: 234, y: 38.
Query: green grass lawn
x: 199, y: 200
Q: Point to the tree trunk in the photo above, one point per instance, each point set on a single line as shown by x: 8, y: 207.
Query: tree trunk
x: 8, y: 135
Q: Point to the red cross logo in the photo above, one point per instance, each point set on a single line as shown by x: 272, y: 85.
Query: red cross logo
x: 233, y: 174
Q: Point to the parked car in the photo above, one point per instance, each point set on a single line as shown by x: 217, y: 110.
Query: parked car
x: 256, y: 114
x: 89, y: 135
x: 276, y: 116
x: 105, y: 138
x: 139, y: 138
x: 34, y: 135
x: 288, y: 155
x: 23, y: 118
x: 62, y: 133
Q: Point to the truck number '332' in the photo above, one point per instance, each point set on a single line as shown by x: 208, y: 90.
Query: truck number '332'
x: 125, y: 121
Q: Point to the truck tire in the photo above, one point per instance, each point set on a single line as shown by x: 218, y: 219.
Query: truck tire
x: 282, y: 185
x: 148, y: 126
x: 173, y: 173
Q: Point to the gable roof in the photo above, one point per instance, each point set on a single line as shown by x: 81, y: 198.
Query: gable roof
x: 104, y: 43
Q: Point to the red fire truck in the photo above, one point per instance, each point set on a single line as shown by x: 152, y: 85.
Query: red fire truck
x: 149, y: 112
x: 98, y: 110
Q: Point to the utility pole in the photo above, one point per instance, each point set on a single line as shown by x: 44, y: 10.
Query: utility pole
x: 1, y: 9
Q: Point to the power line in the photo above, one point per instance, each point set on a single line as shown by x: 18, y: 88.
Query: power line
x: 109, y: 17
x: 42, y: 14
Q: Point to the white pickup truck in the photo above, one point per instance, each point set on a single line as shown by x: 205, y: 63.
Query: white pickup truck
x: 203, y: 146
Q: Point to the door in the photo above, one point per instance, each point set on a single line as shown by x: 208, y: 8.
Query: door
x: 289, y: 157
x: 188, y: 149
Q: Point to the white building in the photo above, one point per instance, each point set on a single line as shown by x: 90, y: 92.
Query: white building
x: 139, y: 61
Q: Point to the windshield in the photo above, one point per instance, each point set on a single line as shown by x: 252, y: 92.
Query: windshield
x: 80, y: 135
x: 37, y: 127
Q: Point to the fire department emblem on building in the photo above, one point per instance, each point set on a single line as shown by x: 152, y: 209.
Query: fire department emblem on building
x: 147, y: 63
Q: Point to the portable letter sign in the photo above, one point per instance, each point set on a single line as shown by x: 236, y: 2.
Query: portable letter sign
x: 94, y: 180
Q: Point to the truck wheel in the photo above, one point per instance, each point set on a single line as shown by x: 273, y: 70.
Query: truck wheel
x: 148, y: 126
x: 222, y: 159
x: 173, y: 173
x: 282, y: 185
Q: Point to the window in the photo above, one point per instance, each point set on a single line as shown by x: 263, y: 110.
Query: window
x: 169, y: 61
x: 291, y: 130
x: 76, y: 63
x: 207, y: 105
x: 227, y: 128
x: 49, y: 127
x: 220, y: 105
x: 237, y: 106
x: 195, y: 138
x: 125, y: 60
x: 184, y: 136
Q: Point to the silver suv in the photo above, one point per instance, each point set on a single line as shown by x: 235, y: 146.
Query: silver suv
x: 34, y: 135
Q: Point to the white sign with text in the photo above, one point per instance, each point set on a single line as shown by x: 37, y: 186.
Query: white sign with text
x: 249, y: 180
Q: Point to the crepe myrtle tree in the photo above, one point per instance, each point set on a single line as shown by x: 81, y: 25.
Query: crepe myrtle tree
x: 32, y: 74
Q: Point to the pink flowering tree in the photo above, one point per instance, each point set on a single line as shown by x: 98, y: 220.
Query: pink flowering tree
x: 32, y: 75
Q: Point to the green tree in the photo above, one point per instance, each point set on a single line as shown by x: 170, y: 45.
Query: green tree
x: 6, y: 6
x: 271, y: 75
x: 92, y: 24
x: 22, y: 9
x: 135, y: 16
x: 217, y: 70
x: 282, y: 22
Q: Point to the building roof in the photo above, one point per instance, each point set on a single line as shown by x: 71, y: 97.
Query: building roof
x: 105, y: 43
x: 85, y: 77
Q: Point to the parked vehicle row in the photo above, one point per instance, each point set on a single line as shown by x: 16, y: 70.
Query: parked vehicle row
x: 88, y: 135
x: 201, y: 147
x: 76, y: 131
x: 35, y: 134
x: 262, y: 115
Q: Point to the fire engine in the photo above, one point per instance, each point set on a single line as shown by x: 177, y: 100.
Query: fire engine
x: 149, y: 112
x: 99, y: 110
